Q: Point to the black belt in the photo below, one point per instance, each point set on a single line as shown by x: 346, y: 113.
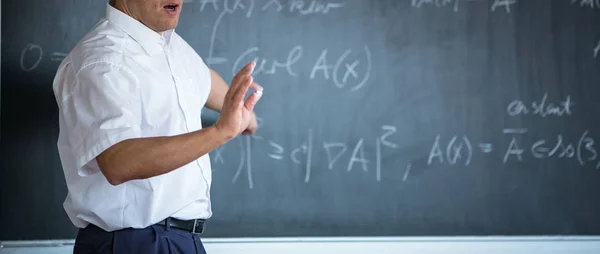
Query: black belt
x: 195, y: 226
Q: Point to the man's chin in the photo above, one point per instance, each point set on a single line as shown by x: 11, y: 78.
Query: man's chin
x: 169, y: 26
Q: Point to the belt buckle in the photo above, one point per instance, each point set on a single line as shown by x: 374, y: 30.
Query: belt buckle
x: 196, y: 222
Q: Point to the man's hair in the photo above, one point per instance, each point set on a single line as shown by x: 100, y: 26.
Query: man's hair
x: 112, y: 2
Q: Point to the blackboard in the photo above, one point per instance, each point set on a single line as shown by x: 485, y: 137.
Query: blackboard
x: 379, y: 118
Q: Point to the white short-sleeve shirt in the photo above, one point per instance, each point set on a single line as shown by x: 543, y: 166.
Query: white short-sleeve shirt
x: 122, y: 81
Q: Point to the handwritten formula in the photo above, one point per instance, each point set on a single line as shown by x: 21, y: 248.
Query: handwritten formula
x: 518, y: 145
x: 460, y: 149
x: 302, y: 155
x: 455, y: 4
x: 352, y: 67
x: 594, y: 4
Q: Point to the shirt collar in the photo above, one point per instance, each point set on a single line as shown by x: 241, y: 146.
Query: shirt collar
x: 150, y: 40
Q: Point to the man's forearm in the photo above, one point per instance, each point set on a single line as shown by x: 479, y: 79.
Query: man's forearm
x: 217, y: 92
x: 147, y: 157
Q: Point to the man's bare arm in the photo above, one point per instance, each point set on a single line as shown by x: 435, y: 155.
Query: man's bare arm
x: 217, y: 91
x: 147, y: 157
x: 142, y: 158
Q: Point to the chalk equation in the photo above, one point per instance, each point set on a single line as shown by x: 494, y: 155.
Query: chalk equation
x: 341, y: 73
x: 302, y: 7
x: 349, y: 69
x: 455, y: 151
x: 345, y: 70
x: 460, y: 150
x: 248, y: 7
x: 587, y: 3
x: 597, y: 50
x: 33, y: 54
x: 496, y: 4
x: 304, y: 153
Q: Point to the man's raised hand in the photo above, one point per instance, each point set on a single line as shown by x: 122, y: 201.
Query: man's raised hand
x: 236, y: 114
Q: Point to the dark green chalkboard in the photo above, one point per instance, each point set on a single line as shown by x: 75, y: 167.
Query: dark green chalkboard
x: 380, y: 117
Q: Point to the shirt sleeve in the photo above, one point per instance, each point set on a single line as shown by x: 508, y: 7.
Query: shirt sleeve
x: 103, y: 109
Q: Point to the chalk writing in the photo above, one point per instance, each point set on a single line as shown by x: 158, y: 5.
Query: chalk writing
x: 455, y: 4
x: 302, y: 7
x: 503, y: 3
x: 388, y: 131
x: 269, y: 67
x: 586, y: 143
x: 312, y: 7
x: 436, y: 3
x: 458, y: 149
x: 218, y: 155
x: 486, y: 147
x: 203, y: 4
x: 32, y: 56
x: 58, y: 56
x: 347, y: 72
x: 248, y: 7
x: 540, y: 149
x: 303, y: 154
x: 515, y: 131
x: 597, y: 50
x: 36, y: 52
x: 590, y: 3
x: 241, y: 165
x: 349, y: 69
x: 306, y: 149
x: 331, y: 156
x: 514, y: 150
x: 454, y: 151
x: 229, y: 7
x: 406, y: 172
x: 378, y: 159
x: 358, y: 156
x: 542, y: 108
x: 249, y: 164
x: 277, y: 154
x: 273, y: 3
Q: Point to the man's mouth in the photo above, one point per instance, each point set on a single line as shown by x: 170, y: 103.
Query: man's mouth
x: 171, y: 7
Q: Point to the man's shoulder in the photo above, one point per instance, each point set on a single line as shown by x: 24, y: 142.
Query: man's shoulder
x: 103, y: 43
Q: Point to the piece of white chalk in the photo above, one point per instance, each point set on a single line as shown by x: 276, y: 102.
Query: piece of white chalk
x: 258, y: 92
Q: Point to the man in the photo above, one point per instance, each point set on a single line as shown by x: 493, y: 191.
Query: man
x: 133, y: 151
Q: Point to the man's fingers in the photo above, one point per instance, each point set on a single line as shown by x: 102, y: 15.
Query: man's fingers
x: 242, y: 82
x: 256, y: 87
x: 253, y: 99
x: 239, y: 92
x: 243, y: 74
x: 251, y: 129
x: 247, y: 85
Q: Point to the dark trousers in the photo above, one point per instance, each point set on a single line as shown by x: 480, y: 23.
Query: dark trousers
x: 151, y: 240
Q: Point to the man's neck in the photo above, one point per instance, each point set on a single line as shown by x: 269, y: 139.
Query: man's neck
x: 122, y: 6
